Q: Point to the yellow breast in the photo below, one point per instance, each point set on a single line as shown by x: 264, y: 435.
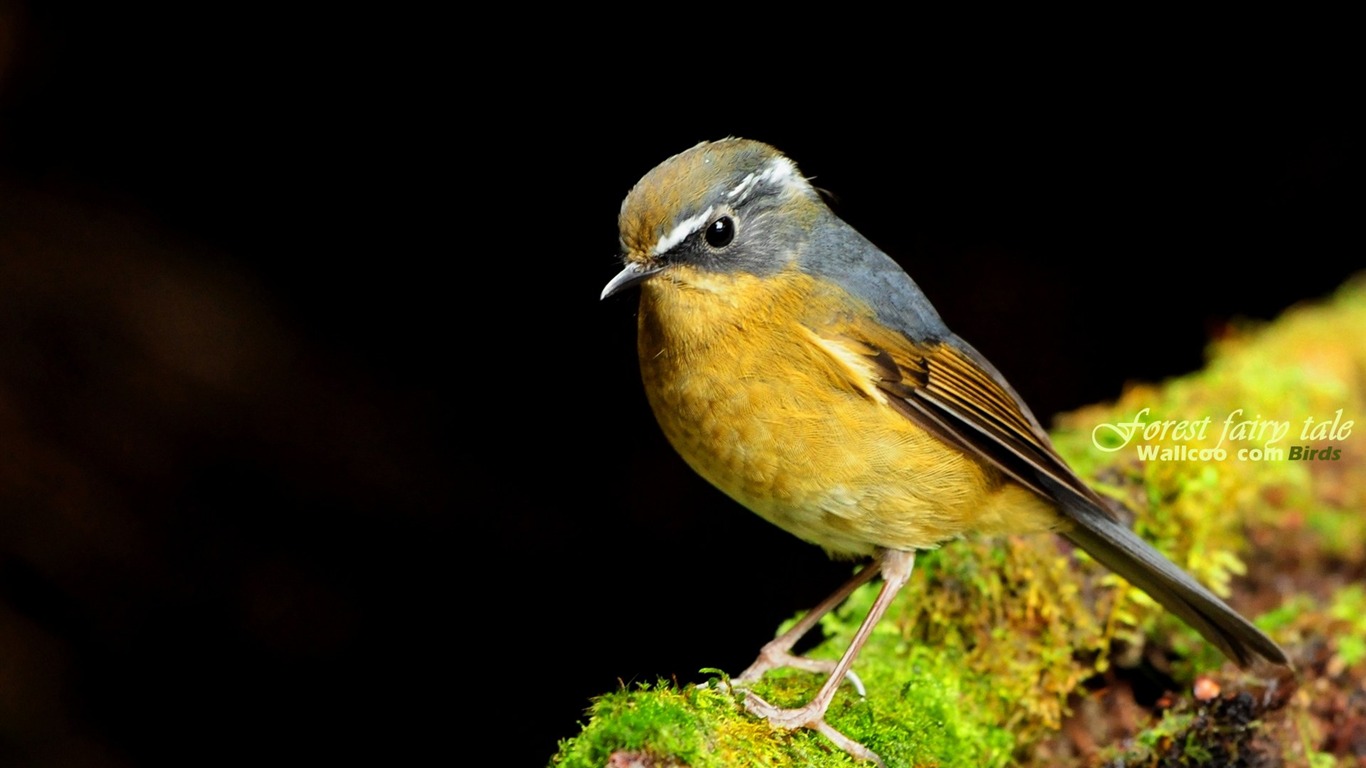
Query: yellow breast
x: 745, y: 388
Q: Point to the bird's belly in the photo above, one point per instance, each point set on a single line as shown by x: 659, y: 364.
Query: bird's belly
x: 827, y: 463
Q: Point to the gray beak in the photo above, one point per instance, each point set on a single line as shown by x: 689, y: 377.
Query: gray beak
x: 633, y: 274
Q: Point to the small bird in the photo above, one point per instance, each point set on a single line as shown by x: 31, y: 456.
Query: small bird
x: 801, y: 371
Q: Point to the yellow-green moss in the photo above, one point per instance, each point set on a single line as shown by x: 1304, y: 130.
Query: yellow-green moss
x: 977, y: 660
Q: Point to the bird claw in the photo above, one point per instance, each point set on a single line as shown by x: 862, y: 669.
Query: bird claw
x: 811, y: 717
x: 896, y: 569
x: 769, y: 660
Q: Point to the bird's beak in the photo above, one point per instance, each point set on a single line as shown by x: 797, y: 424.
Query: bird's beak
x: 633, y: 274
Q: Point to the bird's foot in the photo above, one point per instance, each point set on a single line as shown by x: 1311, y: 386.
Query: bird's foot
x: 774, y: 658
x: 810, y: 716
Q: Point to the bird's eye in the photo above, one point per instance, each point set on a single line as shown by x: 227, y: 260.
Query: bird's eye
x: 720, y: 232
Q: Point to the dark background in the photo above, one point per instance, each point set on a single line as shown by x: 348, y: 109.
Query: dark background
x: 316, y: 437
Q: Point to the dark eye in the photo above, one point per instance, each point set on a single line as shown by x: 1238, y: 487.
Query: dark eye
x: 720, y: 232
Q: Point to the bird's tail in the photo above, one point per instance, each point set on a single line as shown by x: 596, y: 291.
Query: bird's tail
x: 1122, y: 551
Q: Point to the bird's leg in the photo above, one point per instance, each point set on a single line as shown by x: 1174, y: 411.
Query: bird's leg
x: 896, y: 571
x: 777, y: 652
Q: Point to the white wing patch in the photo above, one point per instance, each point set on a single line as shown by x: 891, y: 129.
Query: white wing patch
x: 862, y: 372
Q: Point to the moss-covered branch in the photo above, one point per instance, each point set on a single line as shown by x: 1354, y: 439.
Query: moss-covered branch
x: 1020, y: 650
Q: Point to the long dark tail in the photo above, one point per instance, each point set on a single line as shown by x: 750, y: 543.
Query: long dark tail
x: 1123, y: 552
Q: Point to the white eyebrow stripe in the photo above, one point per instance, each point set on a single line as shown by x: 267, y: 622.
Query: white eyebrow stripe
x: 779, y: 170
x: 681, y: 232
x: 742, y: 187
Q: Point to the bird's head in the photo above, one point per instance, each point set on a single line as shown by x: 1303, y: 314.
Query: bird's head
x: 720, y: 208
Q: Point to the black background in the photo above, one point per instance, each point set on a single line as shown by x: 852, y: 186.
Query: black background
x: 320, y: 439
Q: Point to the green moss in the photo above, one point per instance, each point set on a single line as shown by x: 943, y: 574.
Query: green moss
x: 1222, y: 732
x: 1306, y: 365
x: 700, y: 726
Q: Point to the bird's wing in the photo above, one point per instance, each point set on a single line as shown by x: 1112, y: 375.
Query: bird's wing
x: 949, y: 389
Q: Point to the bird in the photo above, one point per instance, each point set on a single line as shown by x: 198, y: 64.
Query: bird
x: 799, y: 369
